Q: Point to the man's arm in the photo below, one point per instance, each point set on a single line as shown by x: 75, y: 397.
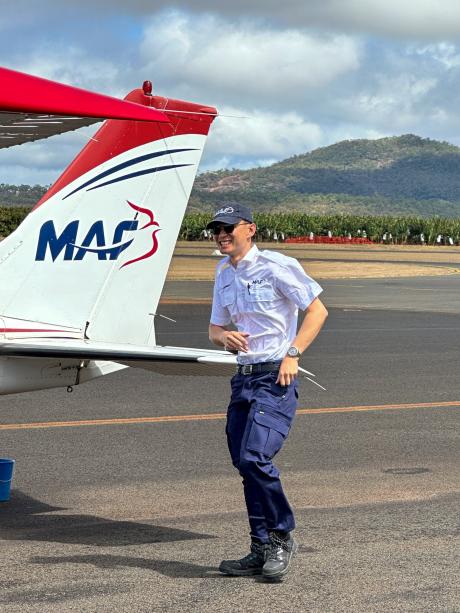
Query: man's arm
x: 231, y: 340
x: 315, y: 316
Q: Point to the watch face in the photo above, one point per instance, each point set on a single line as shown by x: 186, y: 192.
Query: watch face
x: 293, y: 352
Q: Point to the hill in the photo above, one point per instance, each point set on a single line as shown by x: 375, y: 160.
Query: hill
x: 400, y: 175
x: 403, y: 175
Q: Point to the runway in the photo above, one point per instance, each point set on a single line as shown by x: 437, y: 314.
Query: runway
x: 134, y: 508
x: 436, y: 294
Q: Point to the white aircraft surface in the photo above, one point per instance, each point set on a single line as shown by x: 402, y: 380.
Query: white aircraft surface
x: 81, y: 277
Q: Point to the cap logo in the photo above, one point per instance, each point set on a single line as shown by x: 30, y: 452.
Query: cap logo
x: 225, y: 211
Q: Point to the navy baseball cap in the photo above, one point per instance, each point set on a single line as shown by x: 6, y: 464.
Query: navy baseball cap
x: 231, y: 213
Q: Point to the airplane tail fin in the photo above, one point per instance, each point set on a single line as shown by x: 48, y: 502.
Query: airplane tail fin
x: 94, y: 252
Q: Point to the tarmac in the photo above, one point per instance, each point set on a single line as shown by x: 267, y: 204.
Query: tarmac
x: 133, y: 509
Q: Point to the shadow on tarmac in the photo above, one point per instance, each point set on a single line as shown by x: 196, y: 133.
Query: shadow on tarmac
x: 24, y: 518
x: 169, y: 568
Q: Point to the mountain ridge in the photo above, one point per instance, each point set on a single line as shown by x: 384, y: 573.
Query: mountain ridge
x: 396, y: 175
x: 400, y: 175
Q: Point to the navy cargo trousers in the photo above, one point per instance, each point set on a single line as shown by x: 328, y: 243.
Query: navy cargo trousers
x: 259, y: 417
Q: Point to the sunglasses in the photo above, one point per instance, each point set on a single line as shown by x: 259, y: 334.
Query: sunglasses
x: 227, y: 227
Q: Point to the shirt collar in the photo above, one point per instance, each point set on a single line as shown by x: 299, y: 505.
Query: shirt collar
x: 250, y: 256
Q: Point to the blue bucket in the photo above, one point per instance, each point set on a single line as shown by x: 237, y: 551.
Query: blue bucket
x: 6, y: 477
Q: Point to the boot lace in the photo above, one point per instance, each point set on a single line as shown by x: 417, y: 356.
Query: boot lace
x: 277, y: 542
x: 257, y: 553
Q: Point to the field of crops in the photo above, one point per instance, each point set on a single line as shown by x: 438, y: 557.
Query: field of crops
x: 396, y: 230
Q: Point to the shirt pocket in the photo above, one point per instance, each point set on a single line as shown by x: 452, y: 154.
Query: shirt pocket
x: 260, y: 296
x: 227, y: 295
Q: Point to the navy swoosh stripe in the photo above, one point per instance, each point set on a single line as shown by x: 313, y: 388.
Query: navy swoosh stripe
x: 138, y: 160
x: 139, y: 173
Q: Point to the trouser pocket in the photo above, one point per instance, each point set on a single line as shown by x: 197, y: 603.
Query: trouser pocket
x: 268, y: 433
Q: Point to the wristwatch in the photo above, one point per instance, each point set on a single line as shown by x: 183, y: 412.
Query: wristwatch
x: 293, y: 352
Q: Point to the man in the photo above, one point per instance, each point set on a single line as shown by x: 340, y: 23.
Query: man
x: 260, y: 292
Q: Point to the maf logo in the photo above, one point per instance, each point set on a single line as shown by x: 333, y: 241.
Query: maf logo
x: 95, y: 239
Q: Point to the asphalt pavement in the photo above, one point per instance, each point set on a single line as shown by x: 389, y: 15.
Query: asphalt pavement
x: 135, y: 516
x: 437, y: 294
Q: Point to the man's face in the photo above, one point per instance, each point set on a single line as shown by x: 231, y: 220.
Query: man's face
x: 234, y: 242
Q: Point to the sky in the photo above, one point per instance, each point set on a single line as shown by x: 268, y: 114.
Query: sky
x: 287, y: 77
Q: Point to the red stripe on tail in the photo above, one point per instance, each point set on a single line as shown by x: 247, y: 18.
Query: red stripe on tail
x: 117, y: 136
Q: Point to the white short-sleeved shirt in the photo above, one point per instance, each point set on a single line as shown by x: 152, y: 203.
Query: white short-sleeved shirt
x: 262, y: 296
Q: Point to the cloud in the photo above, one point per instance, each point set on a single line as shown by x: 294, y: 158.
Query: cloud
x: 397, y: 101
x: 75, y: 67
x: 307, y: 73
x: 403, y: 88
x: 426, y: 19
x: 243, y: 60
x: 43, y: 161
x: 430, y: 19
x: 263, y: 138
x: 446, y: 54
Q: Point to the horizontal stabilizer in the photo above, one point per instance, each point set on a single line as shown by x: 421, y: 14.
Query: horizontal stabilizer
x: 32, y: 108
x: 164, y: 360
x: 19, y: 128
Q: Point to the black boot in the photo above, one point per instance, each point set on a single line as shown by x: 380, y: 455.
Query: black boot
x: 251, y: 564
x: 282, y: 548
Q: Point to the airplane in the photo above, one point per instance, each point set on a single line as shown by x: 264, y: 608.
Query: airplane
x: 82, y: 275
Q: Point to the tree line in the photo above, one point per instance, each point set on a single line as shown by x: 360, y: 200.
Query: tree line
x: 281, y: 226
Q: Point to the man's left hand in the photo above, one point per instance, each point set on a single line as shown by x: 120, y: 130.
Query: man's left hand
x: 288, y: 371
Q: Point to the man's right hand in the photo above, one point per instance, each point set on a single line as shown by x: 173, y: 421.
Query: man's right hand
x: 235, y: 341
